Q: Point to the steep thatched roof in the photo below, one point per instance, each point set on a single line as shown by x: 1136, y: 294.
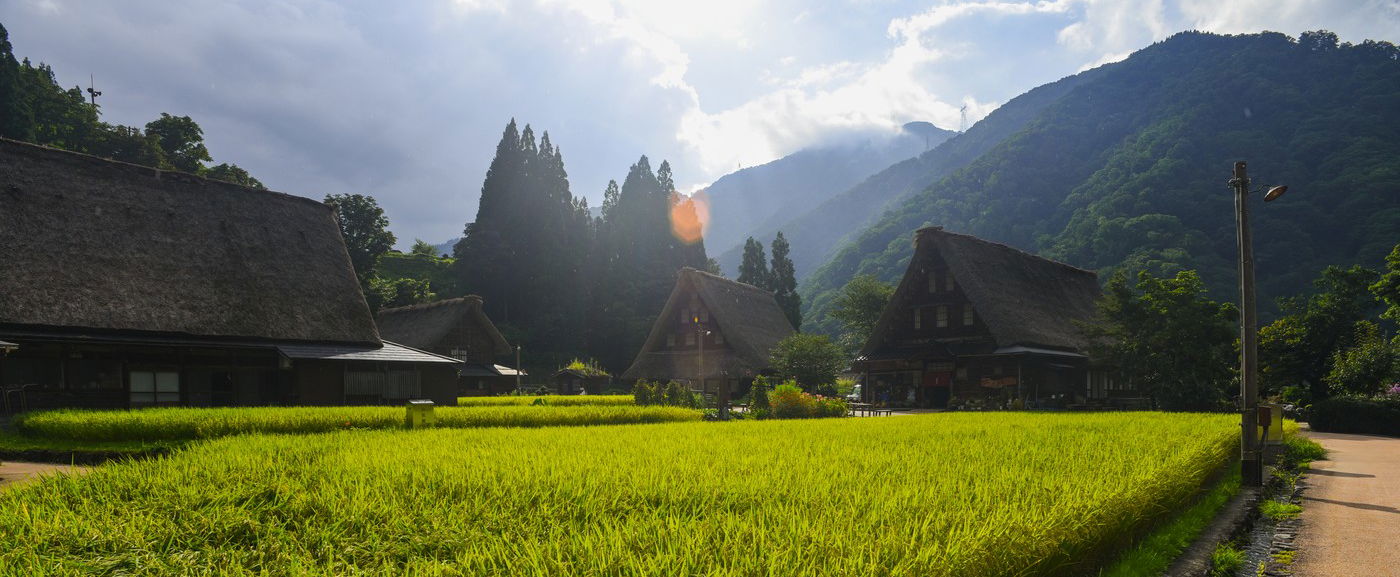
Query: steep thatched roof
x: 1022, y: 298
x: 747, y: 316
x: 94, y: 244
x: 424, y: 326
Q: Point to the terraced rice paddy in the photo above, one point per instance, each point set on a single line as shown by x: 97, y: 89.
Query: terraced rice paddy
x: 951, y: 494
x: 181, y: 424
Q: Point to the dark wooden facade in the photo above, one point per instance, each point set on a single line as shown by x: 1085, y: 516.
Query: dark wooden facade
x: 125, y: 286
x: 978, y: 324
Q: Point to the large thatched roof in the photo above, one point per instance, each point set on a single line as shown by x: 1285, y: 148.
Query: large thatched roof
x: 1022, y: 298
x: 747, y: 316
x: 424, y: 326
x: 87, y: 243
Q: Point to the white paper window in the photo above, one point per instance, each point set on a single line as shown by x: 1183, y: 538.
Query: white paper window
x: 932, y: 282
x: 968, y: 317
x: 670, y: 340
x: 942, y: 320
x: 153, y: 388
x: 948, y: 281
x: 918, y: 319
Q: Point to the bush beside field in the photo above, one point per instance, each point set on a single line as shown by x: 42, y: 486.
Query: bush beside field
x: 937, y: 495
x: 1357, y: 415
x: 548, y: 400
x: 183, y: 424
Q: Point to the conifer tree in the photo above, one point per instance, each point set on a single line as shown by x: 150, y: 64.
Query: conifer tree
x: 754, y: 269
x: 783, y: 282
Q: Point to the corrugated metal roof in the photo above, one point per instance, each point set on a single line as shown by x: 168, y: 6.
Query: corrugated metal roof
x: 390, y: 353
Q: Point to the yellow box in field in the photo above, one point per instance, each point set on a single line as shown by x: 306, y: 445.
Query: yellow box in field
x: 420, y: 414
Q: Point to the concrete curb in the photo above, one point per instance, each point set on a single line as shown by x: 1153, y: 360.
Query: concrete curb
x: 1195, y: 560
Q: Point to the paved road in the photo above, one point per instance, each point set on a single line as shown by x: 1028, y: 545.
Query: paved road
x: 13, y: 472
x: 1351, y: 509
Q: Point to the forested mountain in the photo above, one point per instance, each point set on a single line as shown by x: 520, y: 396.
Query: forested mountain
x: 752, y: 198
x: 1127, y: 169
x: 817, y: 233
x: 34, y: 108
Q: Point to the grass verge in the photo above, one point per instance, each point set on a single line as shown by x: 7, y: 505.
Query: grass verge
x: 1155, y: 553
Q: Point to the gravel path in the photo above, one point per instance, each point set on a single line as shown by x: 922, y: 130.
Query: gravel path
x: 1351, y: 509
x: 13, y: 472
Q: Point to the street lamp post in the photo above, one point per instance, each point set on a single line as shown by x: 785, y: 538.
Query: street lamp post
x: 1251, y: 458
x: 517, y: 369
x: 722, y: 396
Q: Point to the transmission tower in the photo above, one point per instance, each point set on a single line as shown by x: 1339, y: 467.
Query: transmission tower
x: 962, y: 126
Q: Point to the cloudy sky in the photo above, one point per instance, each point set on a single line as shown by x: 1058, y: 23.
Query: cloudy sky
x: 405, y: 100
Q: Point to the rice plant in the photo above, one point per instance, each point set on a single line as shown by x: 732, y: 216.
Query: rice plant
x: 548, y: 400
x: 180, y: 424
x: 939, y: 495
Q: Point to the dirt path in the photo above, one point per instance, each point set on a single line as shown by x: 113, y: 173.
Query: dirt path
x: 13, y: 473
x: 1351, y: 509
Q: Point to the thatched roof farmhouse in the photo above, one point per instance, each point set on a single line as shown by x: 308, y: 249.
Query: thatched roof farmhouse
x: 974, y: 320
x: 738, y: 324
x: 130, y: 286
x: 460, y: 329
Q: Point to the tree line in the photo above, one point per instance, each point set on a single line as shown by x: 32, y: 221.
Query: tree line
x: 35, y: 108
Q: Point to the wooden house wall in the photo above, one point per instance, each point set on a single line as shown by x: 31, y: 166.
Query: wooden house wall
x: 683, y: 335
x: 81, y: 375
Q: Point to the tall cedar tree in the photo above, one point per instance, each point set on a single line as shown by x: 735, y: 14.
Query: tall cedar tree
x: 783, y: 282
x: 754, y: 269
x: 636, y: 257
x: 527, y: 251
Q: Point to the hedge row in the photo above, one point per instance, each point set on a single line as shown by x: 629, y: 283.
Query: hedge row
x: 1357, y: 415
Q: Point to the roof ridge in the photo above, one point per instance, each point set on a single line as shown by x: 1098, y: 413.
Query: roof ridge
x: 430, y: 304
x: 712, y: 276
x: 940, y: 230
x: 157, y: 173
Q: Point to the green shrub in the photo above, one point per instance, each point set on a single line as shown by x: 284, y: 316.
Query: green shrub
x: 758, y: 394
x: 1357, y: 415
x: 832, y: 407
x: 677, y: 395
x: 789, y: 402
x: 644, y: 393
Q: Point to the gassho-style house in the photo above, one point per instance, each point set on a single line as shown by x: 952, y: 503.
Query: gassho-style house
x: 730, y: 326
x: 126, y: 286
x: 460, y: 329
x: 979, y: 323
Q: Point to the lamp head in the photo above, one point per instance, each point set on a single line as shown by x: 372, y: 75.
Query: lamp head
x: 1275, y: 192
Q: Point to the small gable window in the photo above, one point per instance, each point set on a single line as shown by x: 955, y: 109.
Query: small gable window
x: 719, y: 339
x: 932, y: 282
x: 670, y: 340
x: 942, y: 316
x: 918, y: 319
x: 690, y: 339
x: 948, y: 281
x: 968, y: 317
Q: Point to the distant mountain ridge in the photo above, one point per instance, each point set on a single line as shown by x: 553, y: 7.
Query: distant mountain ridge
x: 753, y: 199
x: 1124, y: 168
x: 815, y: 234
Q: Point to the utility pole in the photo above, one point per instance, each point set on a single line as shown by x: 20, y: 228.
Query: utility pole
x: 517, y: 369
x: 1251, y: 463
x: 92, y: 91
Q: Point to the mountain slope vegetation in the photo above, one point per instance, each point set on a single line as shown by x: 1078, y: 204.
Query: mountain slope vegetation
x: 742, y: 202
x: 1127, y: 169
x: 817, y: 233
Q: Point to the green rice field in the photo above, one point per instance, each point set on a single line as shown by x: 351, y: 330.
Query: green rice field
x: 977, y: 494
x: 182, y: 424
x: 550, y: 400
